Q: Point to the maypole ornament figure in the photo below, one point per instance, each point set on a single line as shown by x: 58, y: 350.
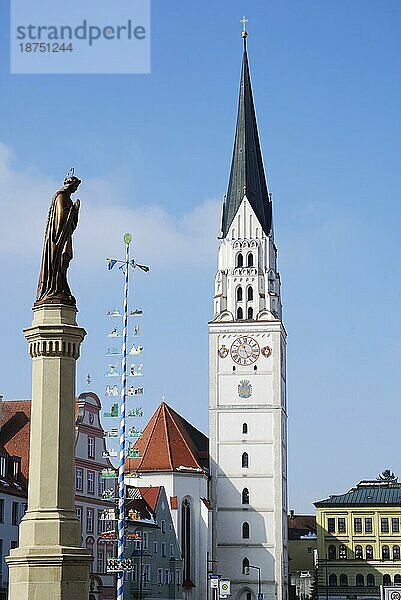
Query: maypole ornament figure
x: 57, y: 253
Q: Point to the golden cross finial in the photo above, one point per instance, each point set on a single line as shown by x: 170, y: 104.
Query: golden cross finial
x: 244, y: 21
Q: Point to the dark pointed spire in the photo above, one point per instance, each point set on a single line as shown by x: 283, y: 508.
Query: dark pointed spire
x: 247, y: 175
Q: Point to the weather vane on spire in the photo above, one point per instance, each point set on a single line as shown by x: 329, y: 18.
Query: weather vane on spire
x: 244, y: 21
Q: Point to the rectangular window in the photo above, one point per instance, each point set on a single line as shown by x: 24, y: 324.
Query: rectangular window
x: 3, y: 466
x: 100, y: 561
x: 159, y: 576
x: 331, y: 525
x: 358, y: 525
x: 91, y: 447
x: 341, y: 525
x: 384, y: 525
x: 78, y: 510
x: 395, y: 525
x: 177, y: 577
x: 310, y: 549
x: 1, y: 555
x: 166, y: 576
x: 1, y: 510
x: 145, y: 537
x: 100, y: 482
x: 146, y: 573
x: 163, y: 549
x: 90, y: 481
x: 89, y: 520
x: 368, y: 525
x: 79, y: 479
x: 14, y: 514
x: 100, y: 521
x: 13, y: 544
x: 154, y: 547
x: 16, y: 467
x: 163, y: 524
x: 171, y: 550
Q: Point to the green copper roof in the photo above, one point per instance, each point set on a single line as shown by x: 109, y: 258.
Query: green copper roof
x: 365, y: 496
x: 247, y: 175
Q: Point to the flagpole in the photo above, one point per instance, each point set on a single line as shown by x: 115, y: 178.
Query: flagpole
x: 121, y: 467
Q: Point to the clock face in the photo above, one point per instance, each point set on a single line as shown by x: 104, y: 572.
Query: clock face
x: 245, y: 350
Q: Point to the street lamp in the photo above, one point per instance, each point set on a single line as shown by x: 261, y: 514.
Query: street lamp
x: 247, y: 573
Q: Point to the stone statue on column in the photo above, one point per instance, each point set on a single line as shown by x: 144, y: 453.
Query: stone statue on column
x: 49, y: 563
x: 57, y: 247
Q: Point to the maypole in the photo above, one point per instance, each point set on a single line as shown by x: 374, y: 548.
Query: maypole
x: 121, y: 466
x: 120, y: 565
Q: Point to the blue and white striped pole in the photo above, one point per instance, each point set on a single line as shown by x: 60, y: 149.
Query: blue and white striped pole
x: 121, y: 467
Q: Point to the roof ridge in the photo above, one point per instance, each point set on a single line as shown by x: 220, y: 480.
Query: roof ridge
x: 163, y: 407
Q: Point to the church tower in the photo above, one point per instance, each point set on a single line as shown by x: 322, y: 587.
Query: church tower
x: 247, y: 394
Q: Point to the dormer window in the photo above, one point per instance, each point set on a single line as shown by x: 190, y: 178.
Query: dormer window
x: 3, y: 466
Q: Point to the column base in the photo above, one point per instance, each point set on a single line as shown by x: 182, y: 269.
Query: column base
x: 49, y: 572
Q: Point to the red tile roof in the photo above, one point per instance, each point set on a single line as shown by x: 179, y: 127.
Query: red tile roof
x: 299, y: 525
x: 151, y: 495
x: 15, y: 420
x: 170, y: 443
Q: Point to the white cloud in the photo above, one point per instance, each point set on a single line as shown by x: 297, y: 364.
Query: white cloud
x: 160, y: 236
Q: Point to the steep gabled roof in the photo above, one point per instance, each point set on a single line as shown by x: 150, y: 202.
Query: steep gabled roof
x: 15, y: 421
x: 170, y: 443
x: 247, y: 177
x: 151, y: 495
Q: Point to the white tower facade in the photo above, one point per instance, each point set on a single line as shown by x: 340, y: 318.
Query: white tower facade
x: 247, y: 395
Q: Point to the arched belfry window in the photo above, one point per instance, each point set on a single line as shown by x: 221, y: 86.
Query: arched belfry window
x: 250, y: 293
x: 245, y: 566
x: 245, y: 496
x: 245, y: 531
x: 249, y: 261
x: 240, y: 260
x: 244, y: 427
x: 240, y: 314
x: 186, y: 540
x: 239, y: 293
x: 250, y: 312
x: 245, y: 460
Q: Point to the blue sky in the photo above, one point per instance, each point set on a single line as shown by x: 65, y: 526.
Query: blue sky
x: 154, y: 152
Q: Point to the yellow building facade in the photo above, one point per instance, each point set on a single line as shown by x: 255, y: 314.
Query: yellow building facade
x: 359, y: 540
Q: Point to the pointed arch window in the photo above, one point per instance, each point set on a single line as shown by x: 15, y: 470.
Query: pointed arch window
x: 239, y: 293
x: 244, y: 427
x: 186, y: 539
x: 249, y: 260
x: 245, y: 496
x: 245, y: 460
x: 245, y: 531
x: 240, y: 314
x: 250, y: 313
x: 250, y: 293
x: 245, y: 566
x: 240, y: 260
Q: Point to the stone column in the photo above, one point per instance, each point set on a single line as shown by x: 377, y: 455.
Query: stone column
x: 49, y: 562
